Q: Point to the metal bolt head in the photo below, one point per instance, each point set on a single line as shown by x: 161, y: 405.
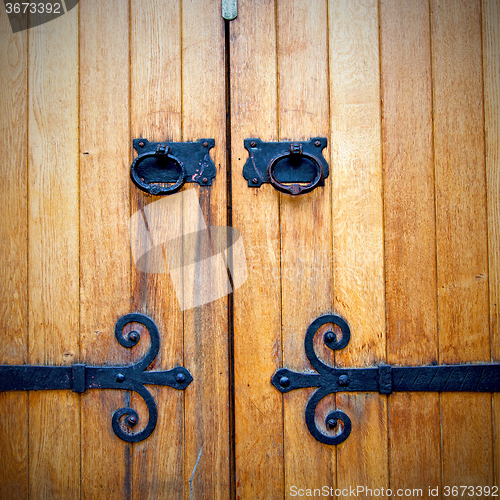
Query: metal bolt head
x: 205, y: 144
x: 343, y: 380
x: 331, y: 423
x: 180, y: 378
x: 284, y: 381
x: 141, y: 144
x: 120, y: 377
x: 132, y: 420
x: 253, y: 144
x: 255, y: 180
x: 133, y: 336
x: 205, y: 180
x: 317, y: 143
x: 330, y: 337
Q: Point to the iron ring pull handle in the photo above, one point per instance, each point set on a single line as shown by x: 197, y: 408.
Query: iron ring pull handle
x: 162, y: 151
x: 295, y: 188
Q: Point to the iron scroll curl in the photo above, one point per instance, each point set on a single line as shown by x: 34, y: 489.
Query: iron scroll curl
x: 285, y: 380
x: 331, y: 341
x: 135, y: 376
x: 331, y: 420
x: 130, y: 416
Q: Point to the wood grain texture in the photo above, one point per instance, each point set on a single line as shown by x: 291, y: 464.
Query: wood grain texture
x: 491, y: 76
x: 306, y: 259
x: 410, y: 243
x: 105, y: 284
x: 13, y: 256
x: 409, y: 183
x: 460, y: 182
x: 206, y: 337
x: 156, y: 115
x: 414, y: 454
x: 426, y: 219
x: 357, y: 219
x: 53, y: 256
x: 461, y: 231
x: 257, y: 304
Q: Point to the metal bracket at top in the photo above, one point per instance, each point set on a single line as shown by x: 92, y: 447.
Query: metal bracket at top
x: 384, y: 379
x: 229, y: 9
x: 290, y: 167
x: 164, y: 167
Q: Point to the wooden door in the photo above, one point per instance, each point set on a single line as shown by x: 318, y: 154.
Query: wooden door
x: 75, y: 92
x: 402, y: 242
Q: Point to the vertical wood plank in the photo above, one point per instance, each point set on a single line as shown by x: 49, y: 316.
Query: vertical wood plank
x: 462, y: 261
x: 357, y: 213
x: 491, y: 70
x: 104, y: 235
x: 491, y: 76
x: 53, y: 256
x: 257, y: 304
x: 13, y: 255
x: 410, y: 244
x: 306, y: 228
x: 206, y: 341
x: 156, y: 115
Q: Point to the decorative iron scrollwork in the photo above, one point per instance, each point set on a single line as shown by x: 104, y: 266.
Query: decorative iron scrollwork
x: 384, y: 379
x: 80, y: 377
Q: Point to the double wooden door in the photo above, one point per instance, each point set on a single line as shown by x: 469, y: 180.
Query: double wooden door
x: 403, y: 241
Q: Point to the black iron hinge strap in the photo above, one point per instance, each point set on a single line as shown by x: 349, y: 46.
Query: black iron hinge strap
x: 384, y: 379
x: 35, y: 378
x: 80, y: 377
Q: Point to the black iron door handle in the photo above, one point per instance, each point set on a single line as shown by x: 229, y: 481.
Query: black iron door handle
x: 384, y: 379
x: 162, y: 168
x: 295, y: 150
x: 290, y: 167
x: 80, y: 377
x: 163, y: 154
